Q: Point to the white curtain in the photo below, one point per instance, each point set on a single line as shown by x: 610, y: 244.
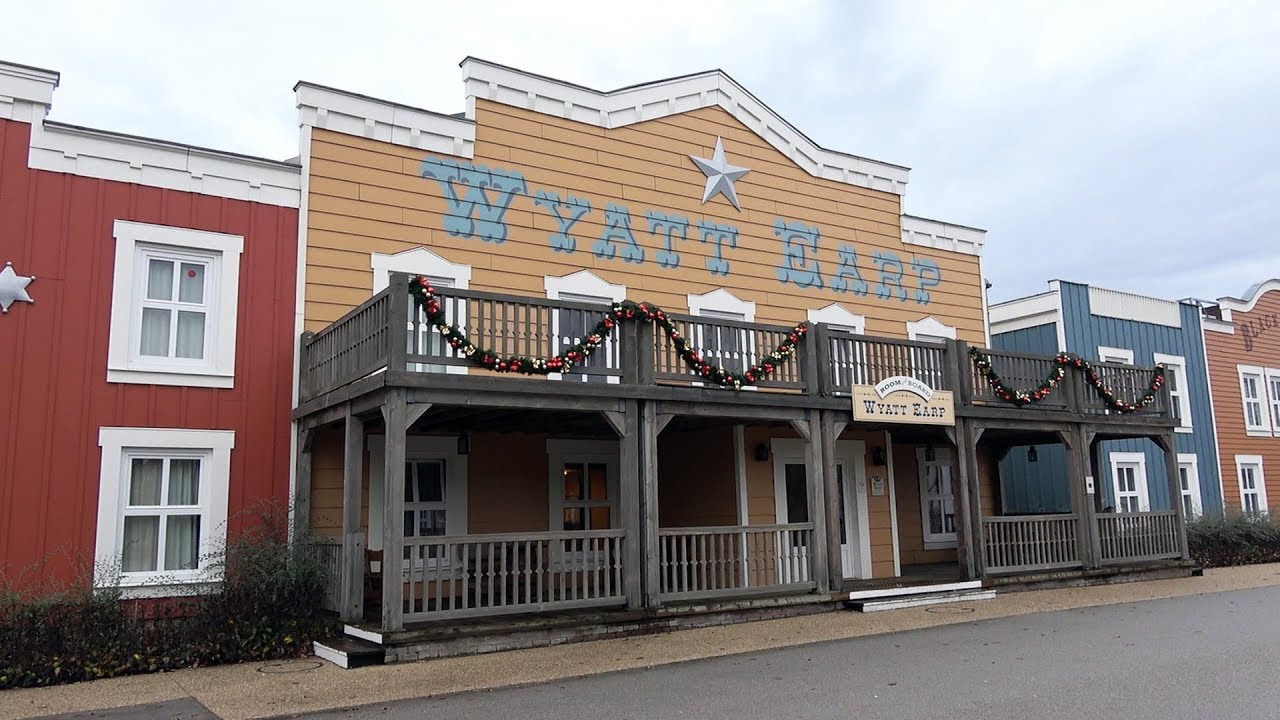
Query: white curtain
x: 155, y: 332
x: 190, y: 335
x: 184, y: 482
x: 144, y: 481
x: 141, y: 541
x: 191, y: 283
x: 182, y: 542
x: 160, y: 280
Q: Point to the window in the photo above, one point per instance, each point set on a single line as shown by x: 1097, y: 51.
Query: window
x: 162, y: 505
x: 927, y: 365
x: 434, y: 486
x: 442, y: 274
x: 848, y: 355
x: 1273, y: 390
x: 731, y: 346
x: 570, y: 325
x: 937, y: 499
x: 1253, y: 391
x: 1179, y: 391
x: 1129, y: 478
x: 584, y: 484
x: 1189, y: 483
x: 1115, y: 355
x: 930, y: 329
x: 1253, y: 489
x: 173, y: 306
x: 425, y: 511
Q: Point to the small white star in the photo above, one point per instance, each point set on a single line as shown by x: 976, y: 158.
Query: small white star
x: 13, y: 287
x: 720, y: 175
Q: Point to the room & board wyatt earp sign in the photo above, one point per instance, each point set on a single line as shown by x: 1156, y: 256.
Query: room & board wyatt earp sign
x: 905, y: 400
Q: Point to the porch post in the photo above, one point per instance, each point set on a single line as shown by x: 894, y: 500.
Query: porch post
x: 353, y: 540
x: 645, y: 554
x: 815, y: 462
x: 629, y: 503
x: 395, y: 414
x: 1077, y: 446
x: 1169, y: 443
x: 1093, y: 502
x: 835, y: 558
x: 301, y: 510
x: 968, y: 539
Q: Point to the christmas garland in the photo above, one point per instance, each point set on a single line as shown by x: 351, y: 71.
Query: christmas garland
x: 1064, y: 360
x: 625, y: 311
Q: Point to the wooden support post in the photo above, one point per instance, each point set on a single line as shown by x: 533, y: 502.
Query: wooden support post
x: 968, y: 544
x: 815, y: 365
x: 394, y: 414
x: 830, y: 478
x: 629, y: 503
x: 351, y: 594
x: 647, y: 559
x: 817, y: 502
x: 646, y: 347
x: 1097, y: 467
x: 1169, y: 443
x: 305, y: 389
x: 301, y: 509
x: 1093, y: 502
x: 1077, y: 462
x: 398, y: 314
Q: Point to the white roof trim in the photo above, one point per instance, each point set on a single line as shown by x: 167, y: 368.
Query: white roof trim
x: 1251, y: 298
x: 836, y: 314
x: 1130, y: 306
x: 942, y: 236
x: 723, y: 301
x: 583, y: 282
x: 1218, y: 326
x: 385, y: 121
x: 157, y: 163
x: 417, y: 261
x: 1023, y: 313
x: 25, y: 92
x: 931, y: 326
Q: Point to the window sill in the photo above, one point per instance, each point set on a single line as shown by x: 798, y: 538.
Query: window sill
x: 1184, y: 429
x: 1258, y: 433
x: 940, y: 545
x: 162, y: 377
x: 161, y: 587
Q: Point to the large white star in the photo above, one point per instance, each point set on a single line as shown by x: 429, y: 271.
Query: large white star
x: 13, y: 287
x: 720, y: 175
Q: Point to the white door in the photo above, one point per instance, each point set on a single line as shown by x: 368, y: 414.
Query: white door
x: 791, y: 498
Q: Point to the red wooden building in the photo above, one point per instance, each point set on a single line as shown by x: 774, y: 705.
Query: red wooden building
x: 147, y: 386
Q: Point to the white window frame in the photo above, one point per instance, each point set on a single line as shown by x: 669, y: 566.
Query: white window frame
x: 583, y: 286
x: 419, y: 447
x: 1269, y: 376
x: 1191, y: 462
x: 442, y: 273
x: 1140, y: 479
x: 1263, y: 429
x: 562, y: 452
x: 1177, y: 365
x: 724, y: 305
x: 119, y: 446
x: 222, y: 253
x: 1116, y: 355
x: 1259, y: 479
x: 930, y: 329
x: 936, y: 541
x: 852, y: 366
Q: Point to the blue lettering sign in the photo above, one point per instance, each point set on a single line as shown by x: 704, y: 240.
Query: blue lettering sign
x: 848, y: 278
x: 890, y: 276
x: 928, y: 275
x: 797, y: 238
x: 567, y: 214
x: 471, y: 212
x: 617, y: 221
x: 669, y: 226
x: 720, y: 235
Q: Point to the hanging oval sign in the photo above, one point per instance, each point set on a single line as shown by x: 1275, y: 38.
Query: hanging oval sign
x: 902, y: 382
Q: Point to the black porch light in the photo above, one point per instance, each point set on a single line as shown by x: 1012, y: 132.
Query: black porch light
x: 877, y: 456
x: 1032, y: 455
x: 762, y: 452
x: 930, y: 454
x: 464, y: 443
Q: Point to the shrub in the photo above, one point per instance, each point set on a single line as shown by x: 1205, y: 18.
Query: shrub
x: 1234, y: 540
x: 268, y: 606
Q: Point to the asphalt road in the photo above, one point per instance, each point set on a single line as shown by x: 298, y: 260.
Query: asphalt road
x: 1200, y: 656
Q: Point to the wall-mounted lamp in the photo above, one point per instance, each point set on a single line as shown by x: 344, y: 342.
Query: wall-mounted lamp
x: 464, y: 443
x: 1032, y: 455
x: 877, y: 456
x: 762, y: 452
x: 930, y: 454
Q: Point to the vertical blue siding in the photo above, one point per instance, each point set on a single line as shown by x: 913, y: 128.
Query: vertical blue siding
x: 1085, y: 332
x: 1041, y: 339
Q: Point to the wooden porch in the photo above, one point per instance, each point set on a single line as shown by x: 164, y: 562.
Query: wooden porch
x: 384, y: 364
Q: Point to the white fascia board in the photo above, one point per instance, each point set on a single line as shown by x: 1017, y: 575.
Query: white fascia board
x: 25, y: 92
x: 385, y: 121
x: 650, y: 101
x: 942, y: 236
x: 57, y: 147
x: 1252, y: 296
x: 1131, y: 306
x: 1025, y: 312
x: 1218, y: 326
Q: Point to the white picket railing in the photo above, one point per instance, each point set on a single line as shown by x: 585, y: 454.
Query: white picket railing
x: 472, y: 575
x: 704, y: 562
x: 1138, y: 536
x: 1036, y: 542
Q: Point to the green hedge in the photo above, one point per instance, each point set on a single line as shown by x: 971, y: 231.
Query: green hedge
x: 1234, y: 540
x: 267, y: 607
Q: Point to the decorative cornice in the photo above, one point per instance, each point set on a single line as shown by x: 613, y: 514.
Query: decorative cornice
x: 383, y: 120
x: 942, y: 235
x: 649, y: 101
x: 1023, y: 313
x: 1131, y: 306
x: 1251, y: 296
x: 25, y: 92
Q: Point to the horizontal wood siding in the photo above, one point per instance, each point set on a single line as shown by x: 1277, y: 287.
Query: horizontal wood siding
x: 368, y: 196
x: 1226, y: 351
x: 59, y: 228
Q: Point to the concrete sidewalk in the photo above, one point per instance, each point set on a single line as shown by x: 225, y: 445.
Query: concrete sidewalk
x: 270, y: 689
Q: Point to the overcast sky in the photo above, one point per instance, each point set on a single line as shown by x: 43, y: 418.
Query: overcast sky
x: 1130, y: 145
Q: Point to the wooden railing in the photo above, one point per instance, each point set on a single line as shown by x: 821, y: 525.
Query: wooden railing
x: 1038, y: 542
x: 1140, y: 536
x: 473, y: 575
x: 352, y: 347
x: 860, y: 360
x: 732, y: 344
x: 1023, y: 371
x: 709, y: 562
x: 1127, y: 383
x: 328, y: 551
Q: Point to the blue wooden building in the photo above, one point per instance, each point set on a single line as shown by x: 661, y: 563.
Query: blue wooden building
x: 1112, y: 326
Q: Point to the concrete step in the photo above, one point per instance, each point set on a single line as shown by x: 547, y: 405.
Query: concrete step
x: 349, y: 652
x: 917, y: 599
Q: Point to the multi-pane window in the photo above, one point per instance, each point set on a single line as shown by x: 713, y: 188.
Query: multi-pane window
x: 161, y: 523
x: 796, y: 489
x: 1273, y: 390
x: 424, y: 498
x: 1189, y: 484
x: 1179, y: 390
x: 1129, y: 482
x: 174, y: 306
x: 573, y: 325
x: 1253, y: 491
x: 587, y: 504
x: 727, y: 346
x: 1251, y: 389
x: 937, y: 497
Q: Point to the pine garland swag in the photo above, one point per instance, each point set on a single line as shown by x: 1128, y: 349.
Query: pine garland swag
x: 625, y: 311
x: 1062, y: 361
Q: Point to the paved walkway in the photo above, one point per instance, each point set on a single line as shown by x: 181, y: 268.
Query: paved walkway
x: 271, y: 689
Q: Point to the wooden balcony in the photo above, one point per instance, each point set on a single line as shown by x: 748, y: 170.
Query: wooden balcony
x: 387, y: 335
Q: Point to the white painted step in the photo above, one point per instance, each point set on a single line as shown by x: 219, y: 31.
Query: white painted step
x: 916, y: 600
x: 915, y: 590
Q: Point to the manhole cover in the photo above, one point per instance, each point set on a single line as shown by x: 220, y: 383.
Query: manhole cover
x: 291, y: 666
x: 946, y: 610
